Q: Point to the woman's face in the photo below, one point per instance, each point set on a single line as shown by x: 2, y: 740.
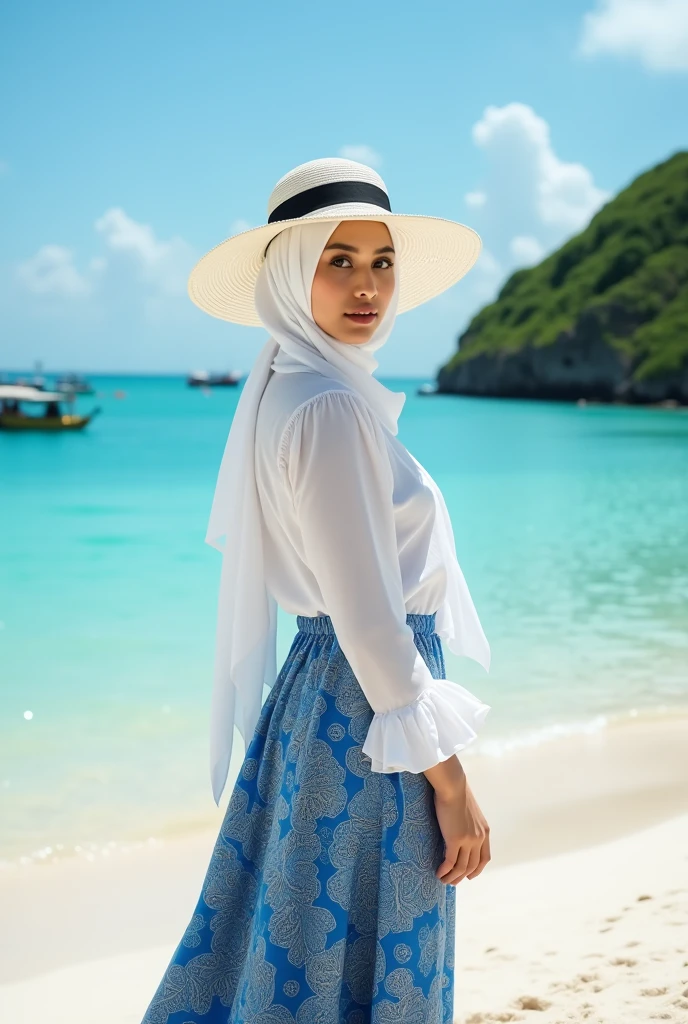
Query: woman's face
x: 354, y: 281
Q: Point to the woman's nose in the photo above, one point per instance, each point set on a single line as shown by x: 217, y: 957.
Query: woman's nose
x: 365, y: 285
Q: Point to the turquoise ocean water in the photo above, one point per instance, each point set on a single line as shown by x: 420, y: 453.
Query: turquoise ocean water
x: 571, y: 527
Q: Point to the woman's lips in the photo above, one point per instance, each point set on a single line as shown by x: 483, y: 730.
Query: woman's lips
x: 361, y: 318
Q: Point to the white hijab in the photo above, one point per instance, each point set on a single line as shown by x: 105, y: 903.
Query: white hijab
x: 245, y: 658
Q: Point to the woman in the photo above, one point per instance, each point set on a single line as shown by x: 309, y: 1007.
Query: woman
x: 330, y: 894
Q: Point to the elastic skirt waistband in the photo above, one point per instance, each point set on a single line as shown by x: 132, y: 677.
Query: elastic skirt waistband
x: 323, y: 623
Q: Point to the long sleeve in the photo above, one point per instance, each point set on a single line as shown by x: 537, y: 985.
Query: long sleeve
x: 334, y: 454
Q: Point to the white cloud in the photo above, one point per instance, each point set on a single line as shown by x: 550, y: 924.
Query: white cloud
x: 52, y: 272
x: 560, y: 194
x: 475, y: 199
x: 363, y: 154
x: 121, y: 232
x: 527, y: 203
x: 526, y: 250
x: 653, y: 31
x: 122, y: 305
x: 164, y: 265
x: 140, y: 271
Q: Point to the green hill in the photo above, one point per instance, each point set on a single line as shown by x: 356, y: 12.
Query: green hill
x: 605, y: 317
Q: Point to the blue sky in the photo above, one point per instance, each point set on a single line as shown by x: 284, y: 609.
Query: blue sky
x: 137, y: 136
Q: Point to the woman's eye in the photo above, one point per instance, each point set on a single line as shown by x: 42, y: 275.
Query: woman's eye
x: 344, y: 261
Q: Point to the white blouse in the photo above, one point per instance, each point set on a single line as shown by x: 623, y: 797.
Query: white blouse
x: 351, y: 530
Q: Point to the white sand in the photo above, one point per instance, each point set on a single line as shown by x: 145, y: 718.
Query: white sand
x: 554, y: 930
x: 598, y: 935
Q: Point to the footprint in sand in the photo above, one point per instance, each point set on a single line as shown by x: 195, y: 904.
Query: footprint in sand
x: 577, y: 983
x: 532, y: 1003
x: 623, y: 961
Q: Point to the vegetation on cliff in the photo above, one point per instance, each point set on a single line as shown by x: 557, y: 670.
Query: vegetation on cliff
x: 626, y: 274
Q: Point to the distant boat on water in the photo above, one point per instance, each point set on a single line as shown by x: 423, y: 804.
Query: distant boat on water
x: 74, y: 382
x: 203, y: 379
x: 16, y: 399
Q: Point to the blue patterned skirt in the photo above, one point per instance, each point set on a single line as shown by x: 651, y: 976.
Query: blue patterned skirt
x: 320, y: 904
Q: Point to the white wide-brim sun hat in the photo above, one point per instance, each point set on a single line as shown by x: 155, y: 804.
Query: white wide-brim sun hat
x: 433, y: 253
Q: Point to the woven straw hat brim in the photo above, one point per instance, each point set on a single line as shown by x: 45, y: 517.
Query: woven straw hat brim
x: 434, y: 254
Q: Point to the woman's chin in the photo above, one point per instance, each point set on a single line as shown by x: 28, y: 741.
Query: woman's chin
x: 355, y: 335
x: 350, y: 335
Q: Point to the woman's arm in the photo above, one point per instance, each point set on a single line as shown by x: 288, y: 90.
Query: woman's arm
x: 447, y: 778
x: 335, y: 457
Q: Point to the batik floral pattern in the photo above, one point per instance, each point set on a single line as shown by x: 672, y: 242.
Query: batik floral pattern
x: 320, y: 904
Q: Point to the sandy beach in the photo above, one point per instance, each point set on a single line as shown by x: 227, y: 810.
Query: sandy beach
x: 582, y: 914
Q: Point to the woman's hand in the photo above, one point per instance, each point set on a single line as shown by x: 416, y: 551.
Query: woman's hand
x: 466, y: 835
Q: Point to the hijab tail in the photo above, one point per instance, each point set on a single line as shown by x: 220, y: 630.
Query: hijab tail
x: 239, y: 447
x: 457, y: 621
x: 243, y: 667
x: 246, y: 617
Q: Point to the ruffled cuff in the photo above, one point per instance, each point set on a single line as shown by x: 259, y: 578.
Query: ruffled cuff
x: 441, y: 721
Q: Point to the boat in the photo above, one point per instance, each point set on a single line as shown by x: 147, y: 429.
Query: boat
x: 36, y: 382
x: 427, y: 389
x: 203, y: 379
x: 74, y: 382
x: 51, y: 417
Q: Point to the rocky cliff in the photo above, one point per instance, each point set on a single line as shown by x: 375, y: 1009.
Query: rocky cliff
x: 605, y: 317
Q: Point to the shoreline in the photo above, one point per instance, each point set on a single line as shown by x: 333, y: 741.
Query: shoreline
x: 560, y: 798
x: 482, y: 753
x: 661, y: 403
x: 581, y: 913
x: 600, y: 934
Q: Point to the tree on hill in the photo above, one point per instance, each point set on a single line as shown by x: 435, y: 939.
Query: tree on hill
x: 605, y: 317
